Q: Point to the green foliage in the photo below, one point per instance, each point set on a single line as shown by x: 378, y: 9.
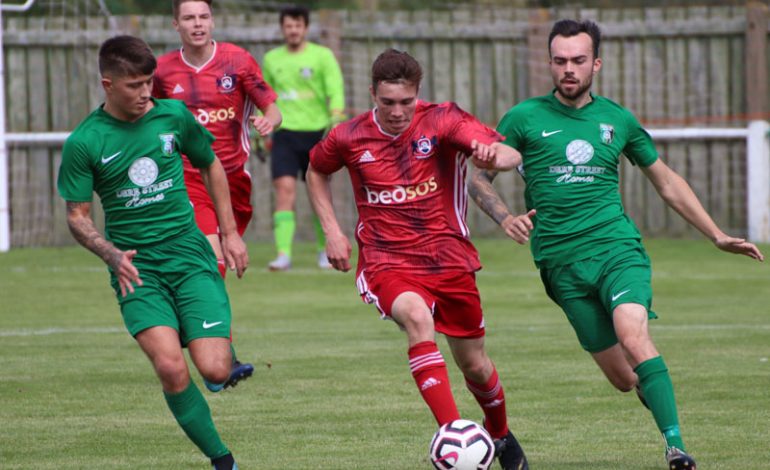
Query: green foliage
x: 332, y: 387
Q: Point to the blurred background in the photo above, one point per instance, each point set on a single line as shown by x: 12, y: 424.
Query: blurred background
x: 695, y: 73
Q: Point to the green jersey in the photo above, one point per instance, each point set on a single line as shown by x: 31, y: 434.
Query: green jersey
x: 309, y: 86
x: 570, y: 165
x: 136, y: 169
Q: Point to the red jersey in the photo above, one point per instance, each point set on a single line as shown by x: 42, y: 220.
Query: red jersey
x: 410, y: 189
x: 220, y: 94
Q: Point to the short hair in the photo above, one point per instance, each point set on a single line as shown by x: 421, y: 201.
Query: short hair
x: 394, y: 66
x: 294, y: 11
x: 569, y: 28
x: 175, y: 4
x: 126, y: 56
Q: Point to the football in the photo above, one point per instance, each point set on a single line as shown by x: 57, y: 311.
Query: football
x: 462, y: 445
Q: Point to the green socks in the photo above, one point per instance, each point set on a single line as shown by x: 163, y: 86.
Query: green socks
x: 658, y: 391
x: 320, y: 238
x: 284, y: 225
x: 194, y: 417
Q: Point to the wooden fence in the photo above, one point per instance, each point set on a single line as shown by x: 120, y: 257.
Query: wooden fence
x: 673, y: 67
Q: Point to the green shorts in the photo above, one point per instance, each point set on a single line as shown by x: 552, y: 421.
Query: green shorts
x: 181, y: 289
x: 589, y: 290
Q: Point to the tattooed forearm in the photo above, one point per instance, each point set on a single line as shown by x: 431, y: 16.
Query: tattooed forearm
x: 82, y: 227
x: 484, y: 194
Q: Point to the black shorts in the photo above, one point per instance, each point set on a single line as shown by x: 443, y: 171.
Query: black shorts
x: 291, y: 152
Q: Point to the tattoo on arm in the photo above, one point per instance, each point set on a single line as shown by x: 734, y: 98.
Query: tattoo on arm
x: 82, y: 227
x: 485, y: 195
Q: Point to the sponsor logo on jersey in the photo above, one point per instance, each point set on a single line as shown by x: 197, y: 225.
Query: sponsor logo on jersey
x: 143, y: 172
x: 226, y: 84
x: 306, y: 72
x: 206, y: 117
x: 177, y: 89
x: 366, y: 157
x: 607, y: 133
x: 423, y: 147
x: 400, y: 193
x: 579, y: 152
x: 167, y: 144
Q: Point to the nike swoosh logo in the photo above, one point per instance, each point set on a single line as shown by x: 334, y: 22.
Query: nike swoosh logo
x: 106, y: 160
x: 207, y: 325
x: 546, y: 134
x: 620, y: 294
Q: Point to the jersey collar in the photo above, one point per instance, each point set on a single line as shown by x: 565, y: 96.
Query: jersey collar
x: 198, y: 69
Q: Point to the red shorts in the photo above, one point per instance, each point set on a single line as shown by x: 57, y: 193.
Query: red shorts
x: 452, y: 297
x: 240, y: 198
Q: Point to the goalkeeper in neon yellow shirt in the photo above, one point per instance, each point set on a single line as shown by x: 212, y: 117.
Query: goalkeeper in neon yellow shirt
x: 311, y: 99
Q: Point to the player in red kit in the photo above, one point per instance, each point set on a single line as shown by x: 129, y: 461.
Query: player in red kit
x: 221, y: 84
x: 407, y: 161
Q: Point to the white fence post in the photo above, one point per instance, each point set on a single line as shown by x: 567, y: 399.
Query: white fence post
x: 758, y: 181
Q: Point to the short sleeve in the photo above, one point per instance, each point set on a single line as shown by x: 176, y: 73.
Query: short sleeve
x: 640, y: 149
x: 259, y: 91
x: 462, y: 128
x: 195, y: 140
x: 76, y: 180
x: 511, y: 126
x: 325, y: 156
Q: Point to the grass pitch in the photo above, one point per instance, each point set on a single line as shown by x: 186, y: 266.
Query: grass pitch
x: 332, y: 388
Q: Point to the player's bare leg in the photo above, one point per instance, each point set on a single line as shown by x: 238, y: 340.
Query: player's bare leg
x: 635, y: 357
x: 483, y: 382
x: 425, y: 360
x: 162, y: 346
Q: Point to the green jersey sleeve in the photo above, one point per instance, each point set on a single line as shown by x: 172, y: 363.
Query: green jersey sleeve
x: 640, y: 149
x: 76, y: 180
x: 333, y: 82
x: 195, y: 141
x: 511, y: 126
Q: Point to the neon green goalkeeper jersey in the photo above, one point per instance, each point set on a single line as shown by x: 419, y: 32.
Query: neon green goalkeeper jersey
x: 309, y: 86
x: 136, y: 169
x: 570, y: 165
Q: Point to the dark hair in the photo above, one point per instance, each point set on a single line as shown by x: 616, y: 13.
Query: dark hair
x: 176, y: 3
x: 295, y: 12
x: 126, y: 56
x: 569, y: 28
x: 396, y: 66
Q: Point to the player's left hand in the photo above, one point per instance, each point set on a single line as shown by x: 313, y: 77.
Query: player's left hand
x: 262, y: 125
x: 739, y: 246
x: 235, y: 252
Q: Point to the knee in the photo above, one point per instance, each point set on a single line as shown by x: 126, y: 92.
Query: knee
x: 624, y: 384
x: 417, y: 321
x: 215, y: 371
x: 172, y: 373
x: 475, y: 368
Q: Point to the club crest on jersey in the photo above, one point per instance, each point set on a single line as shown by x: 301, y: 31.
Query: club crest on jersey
x: 306, y: 72
x: 167, y: 144
x: 423, y: 147
x: 226, y: 84
x: 607, y: 133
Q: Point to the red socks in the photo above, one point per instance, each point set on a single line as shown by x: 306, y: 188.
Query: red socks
x: 492, y: 400
x: 430, y: 373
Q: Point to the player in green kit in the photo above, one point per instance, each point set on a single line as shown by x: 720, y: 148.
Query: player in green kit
x: 311, y: 99
x: 589, y: 252
x: 162, y: 268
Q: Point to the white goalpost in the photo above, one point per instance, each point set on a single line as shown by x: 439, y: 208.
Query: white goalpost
x: 5, y: 211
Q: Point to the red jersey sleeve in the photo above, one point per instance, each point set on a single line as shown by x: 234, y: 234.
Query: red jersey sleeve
x: 157, y: 87
x: 261, y: 94
x: 461, y: 128
x: 325, y: 156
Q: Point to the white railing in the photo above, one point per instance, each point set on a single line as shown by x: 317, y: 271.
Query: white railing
x: 757, y: 168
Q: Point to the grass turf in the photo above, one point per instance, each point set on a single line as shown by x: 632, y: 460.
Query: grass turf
x: 332, y: 388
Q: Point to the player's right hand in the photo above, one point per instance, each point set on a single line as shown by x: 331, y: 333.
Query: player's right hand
x: 125, y: 271
x: 235, y: 253
x: 262, y: 125
x: 338, y: 251
x: 518, y: 227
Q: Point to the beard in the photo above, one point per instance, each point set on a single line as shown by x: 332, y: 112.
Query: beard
x: 577, y: 92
